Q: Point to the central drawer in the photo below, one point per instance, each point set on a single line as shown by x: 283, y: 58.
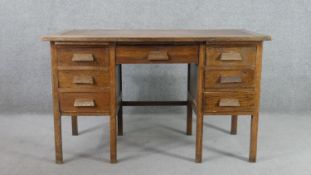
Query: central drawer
x: 88, y: 102
x: 157, y: 54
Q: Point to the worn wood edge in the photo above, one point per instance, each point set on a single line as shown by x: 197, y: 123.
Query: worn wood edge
x: 156, y: 39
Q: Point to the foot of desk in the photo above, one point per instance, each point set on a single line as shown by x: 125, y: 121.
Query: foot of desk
x: 253, y: 138
x: 59, y: 161
x: 74, y: 125
x: 234, y: 124
x: 120, y: 121
x: 199, y: 138
x: 58, y: 138
x: 113, y: 139
x: 189, y: 118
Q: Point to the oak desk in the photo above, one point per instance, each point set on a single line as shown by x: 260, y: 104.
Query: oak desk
x: 224, y: 68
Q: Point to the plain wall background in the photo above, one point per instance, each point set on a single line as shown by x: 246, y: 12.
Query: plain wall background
x: 25, y: 60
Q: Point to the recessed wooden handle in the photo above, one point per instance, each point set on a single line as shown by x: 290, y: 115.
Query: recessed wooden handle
x: 83, y: 57
x: 231, y: 56
x: 230, y: 79
x: 158, y: 55
x: 84, y: 103
x: 83, y: 80
x: 229, y: 102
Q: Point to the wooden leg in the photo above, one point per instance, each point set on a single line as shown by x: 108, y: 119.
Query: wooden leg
x: 189, y: 118
x: 120, y: 121
x: 199, y: 138
x: 234, y: 124
x: 58, y: 138
x: 113, y: 139
x: 253, y: 138
x: 74, y: 125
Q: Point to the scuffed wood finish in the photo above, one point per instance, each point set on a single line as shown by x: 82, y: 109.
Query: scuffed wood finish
x: 156, y: 35
x: 224, y: 71
x: 157, y: 54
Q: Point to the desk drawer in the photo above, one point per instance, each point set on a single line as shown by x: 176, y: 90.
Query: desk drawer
x: 230, y: 55
x: 81, y: 56
x: 85, y: 102
x: 243, y: 78
x: 157, y: 54
x: 83, y: 79
x: 217, y: 102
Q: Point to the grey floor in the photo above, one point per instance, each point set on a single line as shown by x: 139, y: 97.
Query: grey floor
x: 155, y: 144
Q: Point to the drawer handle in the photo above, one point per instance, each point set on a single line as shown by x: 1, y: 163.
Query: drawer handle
x: 229, y: 102
x: 83, y: 57
x: 230, y: 79
x: 84, y: 103
x: 231, y: 56
x: 157, y: 55
x: 83, y: 80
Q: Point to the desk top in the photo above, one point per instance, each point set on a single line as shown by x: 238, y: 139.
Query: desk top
x: 158, y: 35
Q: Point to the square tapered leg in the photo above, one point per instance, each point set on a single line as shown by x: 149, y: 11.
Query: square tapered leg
x: 58, y: 138
x: 113, y: 139
x: 199, y: 139
x: 253, y: 138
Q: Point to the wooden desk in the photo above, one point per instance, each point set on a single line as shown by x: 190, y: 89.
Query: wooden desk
x: 224, y: 68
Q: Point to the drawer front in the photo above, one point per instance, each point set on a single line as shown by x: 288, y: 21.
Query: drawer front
x: 157, y: 54
x: 217, y: 102
x: 243, y: 78
x: 83, y: 79
x: 85, y: 102
x: 79, y: 56
x: 230, y: 55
